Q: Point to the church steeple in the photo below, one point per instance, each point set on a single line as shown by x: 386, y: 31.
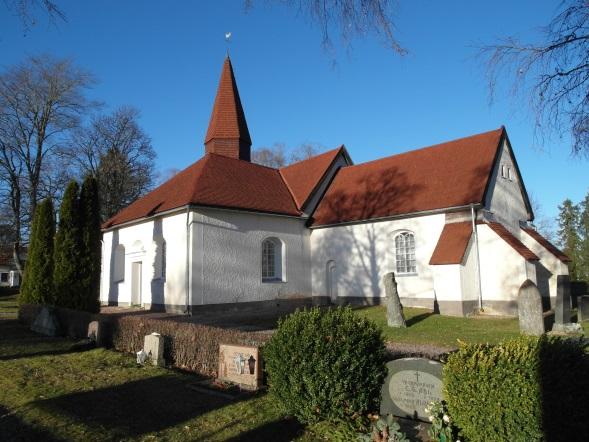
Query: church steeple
x: 227, y: 133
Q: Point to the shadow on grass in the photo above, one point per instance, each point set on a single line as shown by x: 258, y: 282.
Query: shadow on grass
x: 417, y: 319
x: 135, y: 408
x: 281, y: 430
x: 17, y: 341
x: 12, y: 428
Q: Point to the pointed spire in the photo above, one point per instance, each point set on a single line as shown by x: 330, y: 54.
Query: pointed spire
x: 227, y: 133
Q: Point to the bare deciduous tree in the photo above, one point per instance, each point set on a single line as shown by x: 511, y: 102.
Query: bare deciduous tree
x: 279, y: 155
x: 553, y: 74
x: 27, y: 11
x: 116, y: 150
x: 351, y: 18
x: 41, y: 102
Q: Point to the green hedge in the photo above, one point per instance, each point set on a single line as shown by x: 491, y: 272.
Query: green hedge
x: 326, y: 364
x: 525, y: 389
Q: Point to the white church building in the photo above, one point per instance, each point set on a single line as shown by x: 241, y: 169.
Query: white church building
x: 452, y: 221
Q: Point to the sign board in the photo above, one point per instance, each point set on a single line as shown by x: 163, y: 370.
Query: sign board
x: 411, y: 384
x: 240, y: 365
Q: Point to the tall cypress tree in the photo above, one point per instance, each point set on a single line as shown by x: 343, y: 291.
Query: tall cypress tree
x: 91, y: 246
x: 68, y: 248
x: 568, y: 234
x: 37, y: 286
x: 584, y: 240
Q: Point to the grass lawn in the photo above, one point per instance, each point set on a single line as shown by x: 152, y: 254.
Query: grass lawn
x: 49, y: 391
x: 423, y: 327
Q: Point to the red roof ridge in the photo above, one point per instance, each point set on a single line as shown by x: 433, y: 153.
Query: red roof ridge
x: 540, y: 239
x: 510, y: 239
x: 432, y: 146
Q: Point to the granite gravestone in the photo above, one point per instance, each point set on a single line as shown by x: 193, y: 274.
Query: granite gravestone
x: 562, y: 311
x: 153, y: 345
x: 411, y: 384
x: 395, y: 316
x: 529, y: 308
x: 240, y: 365
x: 583, y: 309
x: 46, y: 322
x: 96, y: 333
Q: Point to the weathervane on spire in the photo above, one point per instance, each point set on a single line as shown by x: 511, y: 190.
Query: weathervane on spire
x: 228, y: 40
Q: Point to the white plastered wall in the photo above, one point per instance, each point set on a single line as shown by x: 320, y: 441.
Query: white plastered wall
x: 227, y: 257
x: 549, y: 266
x: 363, y: 253
x: 141, y: 245
x: 503, y: 270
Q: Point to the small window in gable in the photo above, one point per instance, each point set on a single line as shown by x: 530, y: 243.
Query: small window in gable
x: 509, y: 174
x: 503, y: 171
x: 405, y: 253
x: 272, y: 260
x: 119, y: 264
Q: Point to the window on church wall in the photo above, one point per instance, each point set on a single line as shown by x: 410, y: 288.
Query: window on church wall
x: 119, y: 264
x: 272, y: 252
x: 405, y: 253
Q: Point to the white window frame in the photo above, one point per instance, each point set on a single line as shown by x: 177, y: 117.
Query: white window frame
x: 407, y: 266
x: 278, y: 261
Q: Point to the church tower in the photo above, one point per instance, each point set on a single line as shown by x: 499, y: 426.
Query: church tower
x: 228, y: 134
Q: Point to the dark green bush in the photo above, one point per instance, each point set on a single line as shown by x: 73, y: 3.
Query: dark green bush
x: 525, y: 389
x: 326, y: 364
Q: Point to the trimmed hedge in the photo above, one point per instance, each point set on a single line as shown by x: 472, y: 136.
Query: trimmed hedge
x: 525, y: 389
x: 326, y: 364
x: 191, y: 347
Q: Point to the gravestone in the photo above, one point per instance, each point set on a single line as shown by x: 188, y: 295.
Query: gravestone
x: 529, y: 308
x: 583, y: 309
x: 46, y: 322
x: 395, y: 316
x: 562, y: 311
x: 153, y: 345
x: 240, y: 365
x: 411, y: 384
x: 96, y: 333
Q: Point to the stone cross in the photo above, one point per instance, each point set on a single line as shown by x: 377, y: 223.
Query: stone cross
x: 529, y: 307
x: 395, y: 317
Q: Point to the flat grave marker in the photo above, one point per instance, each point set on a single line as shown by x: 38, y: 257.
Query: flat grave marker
x: 240, y: 365
x: 411, y: 384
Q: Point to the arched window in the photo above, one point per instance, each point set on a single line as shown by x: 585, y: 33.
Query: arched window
x: 272, y: 260
x: 119, y: 264
x: 405, y: 253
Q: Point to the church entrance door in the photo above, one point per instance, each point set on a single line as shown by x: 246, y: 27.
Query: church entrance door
x: 136, y: 283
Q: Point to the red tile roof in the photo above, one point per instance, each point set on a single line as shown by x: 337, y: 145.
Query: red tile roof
x: 303, y: 177
x: 452, y: 244
x: 450, y: 174
x: 227, y: 133
x: 216, y: 181
x: 547, y: 244
x: 515, y: 243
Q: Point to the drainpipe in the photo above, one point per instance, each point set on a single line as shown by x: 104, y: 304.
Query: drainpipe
x: 189, y: 223
x: 476, y: 241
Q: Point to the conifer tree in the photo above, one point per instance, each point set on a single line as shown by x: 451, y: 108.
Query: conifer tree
x: 568, y: 234
x: 68, y: 248
x: 37, y: 286
x: 584, y: 240
x: 91, y: 246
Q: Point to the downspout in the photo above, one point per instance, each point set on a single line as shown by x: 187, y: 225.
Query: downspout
x: 476, y: 242
x: 189, y: 223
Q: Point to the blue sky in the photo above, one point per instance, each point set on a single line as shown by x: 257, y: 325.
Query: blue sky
x: 165, y: 59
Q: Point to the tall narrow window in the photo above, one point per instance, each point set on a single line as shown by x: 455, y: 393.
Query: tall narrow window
x: 405, y: 253
x: 272, y: 260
